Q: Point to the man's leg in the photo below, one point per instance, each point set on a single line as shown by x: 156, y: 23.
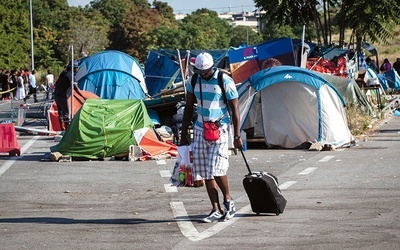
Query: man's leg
x: 222, y: 182
x: 212, y: 191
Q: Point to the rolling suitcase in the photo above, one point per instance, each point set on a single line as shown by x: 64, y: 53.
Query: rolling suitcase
x: 263, y: 191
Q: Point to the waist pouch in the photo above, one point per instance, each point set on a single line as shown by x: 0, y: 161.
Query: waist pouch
x: 211, y: 130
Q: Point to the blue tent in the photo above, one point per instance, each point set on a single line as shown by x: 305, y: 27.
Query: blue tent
x: 112, y: 75
x: 393, y: 79
x: 289, y: 106
x: 162, y: 67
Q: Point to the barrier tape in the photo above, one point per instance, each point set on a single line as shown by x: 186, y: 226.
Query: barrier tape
x: 7, y: 91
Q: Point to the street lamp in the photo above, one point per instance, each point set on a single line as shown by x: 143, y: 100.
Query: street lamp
x: 31, y: 19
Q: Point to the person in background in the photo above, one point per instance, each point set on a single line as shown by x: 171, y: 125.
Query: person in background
x: 60, y: 93
x: 386, y: 66
x: 5, y: 85
x: 20, y: 95
x: 49, y: 84
x: 32, y: 87
x: 396, y: 65
x: 13, y: 83
x: 372, y: 64
x: 210, y: 158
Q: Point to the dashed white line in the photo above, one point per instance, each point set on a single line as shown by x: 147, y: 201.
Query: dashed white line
x: 169, y: 188
x: 326, y: 158
x: 161, y: 162
x: 165, y: 173
x: 287, y: 184
x: 307, y: 170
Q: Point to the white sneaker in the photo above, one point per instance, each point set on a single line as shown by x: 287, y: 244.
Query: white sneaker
x: 213, y: 216
x: 230, y: 209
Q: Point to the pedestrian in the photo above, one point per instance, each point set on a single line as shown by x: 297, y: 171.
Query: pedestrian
x: 5, y: 84
x: 396, y: 65
x: 32, y: 87
x: 386, y: 66
x: 211, y: 157
x: 20, y: 95
x: 13, y: 83
x: 49, y: 84
x: 60, y: 94
x: 371, y: 63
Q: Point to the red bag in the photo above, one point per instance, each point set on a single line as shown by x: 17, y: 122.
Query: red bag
x: 211, y: 130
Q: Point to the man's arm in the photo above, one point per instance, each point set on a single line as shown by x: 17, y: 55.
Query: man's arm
x: 187, y: 118
x: 234, y: 106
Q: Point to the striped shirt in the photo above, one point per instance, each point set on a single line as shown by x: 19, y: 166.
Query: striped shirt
x: 214, y: 107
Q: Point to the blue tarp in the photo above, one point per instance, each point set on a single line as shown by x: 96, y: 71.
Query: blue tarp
x: 112, y: 75
x: 162, y: 67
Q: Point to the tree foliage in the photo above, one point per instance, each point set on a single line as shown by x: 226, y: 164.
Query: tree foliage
x: 135, y: 27
x: 370, y: 19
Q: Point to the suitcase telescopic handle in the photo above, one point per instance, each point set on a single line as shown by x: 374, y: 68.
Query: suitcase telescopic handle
x: 245, y: 161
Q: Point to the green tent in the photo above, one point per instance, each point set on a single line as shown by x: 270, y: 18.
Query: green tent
x: 350, y: 91
x: 104, y: 128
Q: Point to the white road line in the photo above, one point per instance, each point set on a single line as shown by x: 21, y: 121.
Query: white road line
x: 326, y: 158
x: 10, y: 162
x: 287, y: 184
x: 161, y: 162
x: 307, y: 171
x: 165, y: 173
x: 190, y: 232
x: 169, y: 188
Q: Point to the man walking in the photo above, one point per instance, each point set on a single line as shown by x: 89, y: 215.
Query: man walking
x: 211, y: 155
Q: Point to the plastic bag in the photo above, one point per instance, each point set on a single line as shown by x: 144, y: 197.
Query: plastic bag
x: 183, y: 174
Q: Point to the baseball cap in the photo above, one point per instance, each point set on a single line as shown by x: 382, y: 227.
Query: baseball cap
x: 204, y: 62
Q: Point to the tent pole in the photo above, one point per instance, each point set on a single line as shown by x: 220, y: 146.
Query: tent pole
x: 72, y: 84
x: 302, y: 48
x: 182, y: 73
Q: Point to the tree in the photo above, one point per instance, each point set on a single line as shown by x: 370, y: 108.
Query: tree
x: 244, y: 35
x: 373, y: 19
x: 205, y: 30
x: 14, y: 34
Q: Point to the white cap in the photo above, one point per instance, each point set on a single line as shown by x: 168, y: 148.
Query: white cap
x: 204, y: 62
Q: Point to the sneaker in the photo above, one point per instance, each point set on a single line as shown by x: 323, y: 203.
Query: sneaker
x: 213, y: 216
x: 230, y: 210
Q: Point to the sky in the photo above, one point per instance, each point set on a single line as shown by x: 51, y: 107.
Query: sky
x: 188, y: 6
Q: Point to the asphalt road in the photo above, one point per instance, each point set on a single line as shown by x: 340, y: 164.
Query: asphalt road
x: 343, y: 199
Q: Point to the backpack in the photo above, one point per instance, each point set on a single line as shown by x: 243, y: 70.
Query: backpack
x: 220, y: 83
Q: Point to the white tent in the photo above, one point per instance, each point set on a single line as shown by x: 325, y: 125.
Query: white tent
x: 290, y: 106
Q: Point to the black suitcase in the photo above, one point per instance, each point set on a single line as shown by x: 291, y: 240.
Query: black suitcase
x: 263, y: 191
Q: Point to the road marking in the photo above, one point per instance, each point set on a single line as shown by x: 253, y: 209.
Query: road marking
x: 169, y: 188
x: 161, y: 162
x: 165, y: 173
x: 287, y: 184
x: 307, y: 171
x: 188, y: 229
x: 10, y: 162
x: 326, y: 158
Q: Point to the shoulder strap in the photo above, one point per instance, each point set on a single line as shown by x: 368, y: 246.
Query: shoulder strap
x: 221, y: 84
x: 194, y: 80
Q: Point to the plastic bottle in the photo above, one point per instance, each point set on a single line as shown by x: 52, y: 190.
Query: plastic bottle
x: 243, y: 136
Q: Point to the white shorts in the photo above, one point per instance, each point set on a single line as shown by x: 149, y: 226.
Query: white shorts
x: 210, y: 158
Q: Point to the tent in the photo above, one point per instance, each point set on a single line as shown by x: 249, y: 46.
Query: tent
x: 112, y: 74
x: 162, y: 67
x: 350, y: 91
x: 103, y: 128
x: 393, y: 79
x: 290, y: 106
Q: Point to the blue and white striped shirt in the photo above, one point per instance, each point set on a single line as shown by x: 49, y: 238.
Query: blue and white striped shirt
x: 214, y: 107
